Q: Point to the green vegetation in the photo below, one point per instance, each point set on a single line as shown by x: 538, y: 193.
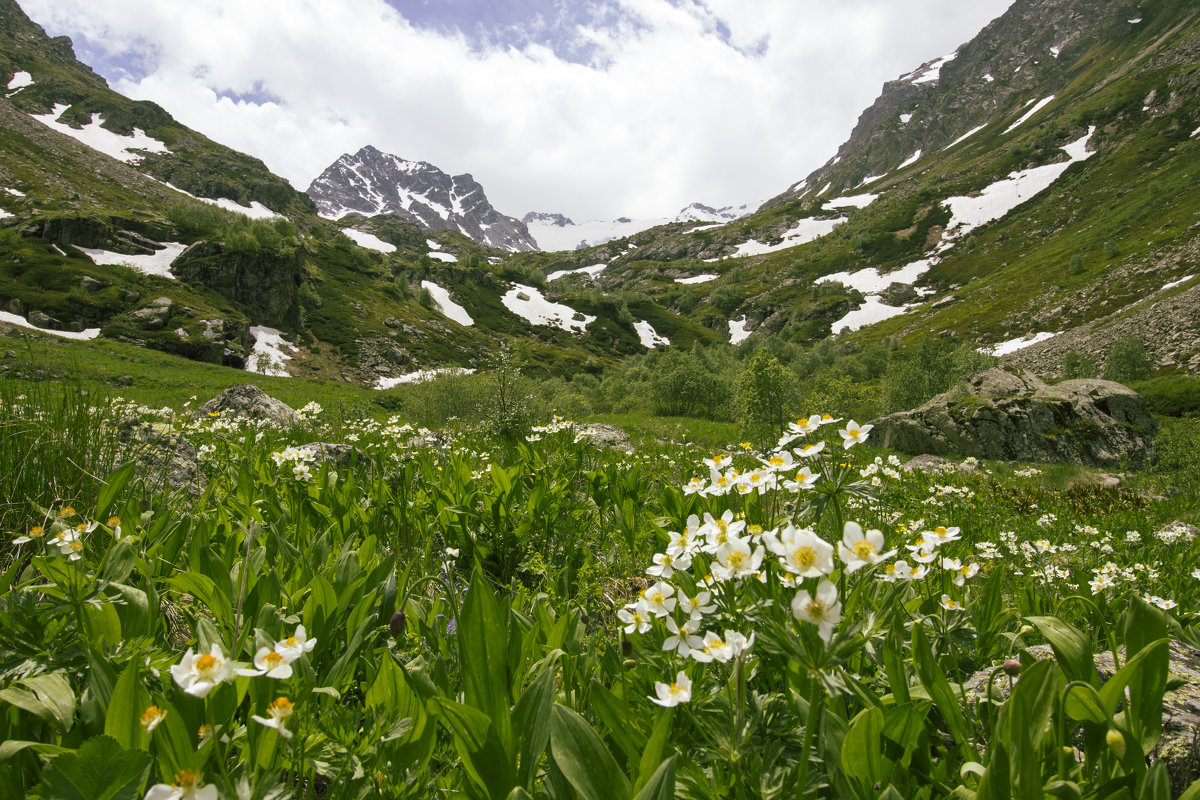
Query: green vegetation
x: 529, y: 616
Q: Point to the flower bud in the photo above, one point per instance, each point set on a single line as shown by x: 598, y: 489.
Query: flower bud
x: 626, y: 647
x: 1116, y: 742
x: 630, y: 663
x: 396, y: 626
x: 1012, y: 667
x: 1025, y: 630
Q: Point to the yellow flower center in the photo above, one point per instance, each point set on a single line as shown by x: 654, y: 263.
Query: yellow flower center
x: 890, y: 569
x: 863, y: 549
x: 66, y: 511
x: 114, y: 522
x: 736, y: 559
x: 815, y: 609
x: 281, y: 708
x: 776, y: 461
x: 36, y: 531
x: 272, y: 659
x: 754, y: 530
x: 657, y: 598
x: 206, y: 665
x: 804, y: 557
x: 189, y: 779
x: 152, y: 716
x: 291, y: 641
x: 939, y: 530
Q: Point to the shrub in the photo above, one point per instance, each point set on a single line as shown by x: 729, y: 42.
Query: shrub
x: 1076, y: 365
x: 1127, y: 361
x: 1172, y: 395
x: 765, y: 392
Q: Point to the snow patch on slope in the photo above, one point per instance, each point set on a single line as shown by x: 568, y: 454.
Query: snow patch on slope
x: 591, y: 272
x: 448, y: 308
x: 872, y: 310
x: 1020, y: 343
x: 19, y: 81
x: 852, y: 201
x: 105, y: 141
x: 1045, y: 101
x: 529, y: 304
x: 420, y: 376
x: 157, y: 263
x: 368, y: 240
x: 13, y: 319
x: 649, y: 337
x: 870, y: 281
x: 737, y: 330
x: 805, y: 230
x: 267, y: 355
x: 704, y: 278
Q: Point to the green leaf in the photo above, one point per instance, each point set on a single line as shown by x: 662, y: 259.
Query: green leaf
x: 531, y: 723
x: 11, y: 747
x: 1144, y: 624
x: 653, y: 754
x: 123, y: 719
x: 583, y: 759
x: 99, y: 770
x: 1082, y: 702
x: 480, y: 749
x: 862, y: 752
x: 113, y: 484
x: 934, y: 681
x: 661, y: 785
x: 55, y: 694
x: 1072, y: 649
x: 483, y: 657
x: 204, y: 589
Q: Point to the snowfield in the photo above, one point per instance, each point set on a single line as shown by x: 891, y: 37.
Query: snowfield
x: 1001, y: 197
x: 420, y: 376
x: 649, y: 337
x: 267, y: 355
x: 872, y: 310
x: 529, y: 304
x: 591, y: 272
x: 704, y: 278
x: 19, y: 81
x: 1020, y: 343
x: 13, y: 319
x: 1040, y: 105
x: 158, y: 263
x: 368, y: 240
x: 98, y: 138
x: 448, y: 308
x: 805, y: 230
x: 870, y: 281
x: 737, y: 330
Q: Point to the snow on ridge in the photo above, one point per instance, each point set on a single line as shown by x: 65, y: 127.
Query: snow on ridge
x: 1038, y: 107
x: 449, y: 258
x: 13, y: 192
x: 4, y: 214
x: 870, y: 281
x: 997, y: 199
x: 1019, y: 343
x: 255, y: 210
x: 904, y: 118
x: 267, y: 356
x: 1054, y: 51
x: 20, y: 80
x: 156, y: 263
x: 591, y: 271
x: 1173, y: 284
x: 852, y: 201
x: 969, y: 133
x: 19, y: 321
x: 872, y: 310
x: 421, y: 375
x: 703, y: 278
x: 914, y: 158
x: 447, y: 307
x: 805, y: 230
x: 101, y: 139
x: 737, y: 330
x: 528, y: 303
x: 649, y: 337
x: 933, y: 72
x: 368, y: 240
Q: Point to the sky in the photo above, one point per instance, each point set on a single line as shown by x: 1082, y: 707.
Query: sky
x: 591, y: 108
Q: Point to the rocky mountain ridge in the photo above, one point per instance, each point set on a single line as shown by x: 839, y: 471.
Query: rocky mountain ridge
x: 372, y: 182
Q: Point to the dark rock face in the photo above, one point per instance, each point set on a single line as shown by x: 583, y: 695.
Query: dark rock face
x: 166, y: 460
x: 266, y: 285
x: 999, y: 415
x: 548, y: 218
x: 249, y: 401
x: 371, y: 182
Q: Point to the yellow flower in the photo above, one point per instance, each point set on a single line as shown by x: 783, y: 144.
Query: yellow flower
x: 151, y: 717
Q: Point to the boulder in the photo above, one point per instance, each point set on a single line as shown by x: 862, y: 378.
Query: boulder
x: 1015, y: 416
x: 337, y: 455
x: 247, y: 401
x: 165, y: 459
x: 603, y: 435
x: 1179, y: 747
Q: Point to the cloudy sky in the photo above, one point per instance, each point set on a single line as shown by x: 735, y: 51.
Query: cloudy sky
x: 592, y: 108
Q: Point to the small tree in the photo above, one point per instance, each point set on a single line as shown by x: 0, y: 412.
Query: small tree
x: 1076, y: 365
x: 766, y: 391
x: 1127, y: 361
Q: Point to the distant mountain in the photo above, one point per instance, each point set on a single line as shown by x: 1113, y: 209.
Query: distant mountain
x: 372, y: 182
x: 557, y: 232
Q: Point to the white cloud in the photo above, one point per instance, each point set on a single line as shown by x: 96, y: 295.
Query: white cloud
x: 670, y: 111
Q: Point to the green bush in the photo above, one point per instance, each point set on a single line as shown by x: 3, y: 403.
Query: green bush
x: 1127, y: 361
x: 766, y: 392
x: 1172, y: 395
x: 686, y: 384
x: 1076, y: 365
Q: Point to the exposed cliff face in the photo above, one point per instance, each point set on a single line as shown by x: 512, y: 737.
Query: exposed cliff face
x: 1024, y: 56
x: 265, y: 284
x: 371, y: 182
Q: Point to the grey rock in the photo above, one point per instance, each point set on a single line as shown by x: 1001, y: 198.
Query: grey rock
x: 250, y: 402
x: 166, y: 460
x: 90, y: 284
x: 1179, y: 747
x: 1001, y: 415
x: 928, y: 463
x: 338, y: 455
x: 604, y: 435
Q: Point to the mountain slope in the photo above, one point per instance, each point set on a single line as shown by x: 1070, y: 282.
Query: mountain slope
x: 370, y: 182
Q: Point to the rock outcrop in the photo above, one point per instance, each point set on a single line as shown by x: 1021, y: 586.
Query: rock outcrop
x: 250, y: 402
x: 1000, y: 415
x: 265, y: 284
x: 371, y: 182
